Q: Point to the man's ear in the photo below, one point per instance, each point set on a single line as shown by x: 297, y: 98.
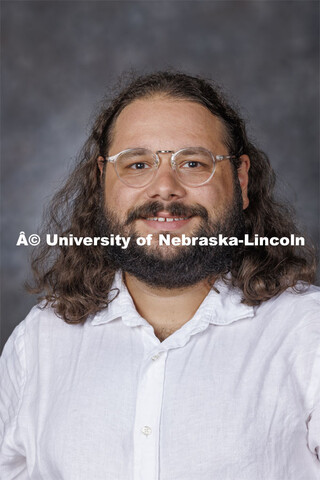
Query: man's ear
x: 244, y: 178
x: 100, y: 162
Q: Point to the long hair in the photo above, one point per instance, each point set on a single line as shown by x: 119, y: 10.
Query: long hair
x: 76, y: 283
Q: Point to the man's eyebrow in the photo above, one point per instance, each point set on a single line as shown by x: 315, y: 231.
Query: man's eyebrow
x: 182, y: 147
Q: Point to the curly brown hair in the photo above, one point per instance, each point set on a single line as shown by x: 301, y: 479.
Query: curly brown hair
x: 76, y: 283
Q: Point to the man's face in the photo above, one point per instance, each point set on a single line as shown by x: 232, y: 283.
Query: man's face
x: 162, y: 123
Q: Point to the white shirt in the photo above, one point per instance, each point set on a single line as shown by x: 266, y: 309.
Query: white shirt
x: 232, y: 395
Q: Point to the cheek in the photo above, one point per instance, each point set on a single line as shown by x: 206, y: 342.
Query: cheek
x: 118, y: 197
x: 217, y: 193
x: 112, y: 187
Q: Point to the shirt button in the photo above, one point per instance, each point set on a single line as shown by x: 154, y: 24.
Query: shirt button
x: 146, y: 430
x: 155, y: 357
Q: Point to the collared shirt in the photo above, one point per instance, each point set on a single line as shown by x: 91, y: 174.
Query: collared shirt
x: 232, y: 395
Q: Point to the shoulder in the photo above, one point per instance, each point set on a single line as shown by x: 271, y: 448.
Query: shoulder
x: 41, y: 328
x: 38, y: 344
x: 292, y: 320
x: 296, y: 304
x: 42, y: 318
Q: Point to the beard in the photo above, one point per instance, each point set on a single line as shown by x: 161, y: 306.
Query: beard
x: 174, y: 266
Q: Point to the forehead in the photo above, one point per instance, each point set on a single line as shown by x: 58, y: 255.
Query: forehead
x: 162, y: 123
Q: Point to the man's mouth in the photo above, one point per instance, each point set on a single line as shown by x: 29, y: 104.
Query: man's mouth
x: 166, y: 219
x: 158, y: 216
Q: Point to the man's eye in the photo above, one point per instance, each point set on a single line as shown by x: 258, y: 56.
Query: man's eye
x: 139, y: 166
x: 191, y: 164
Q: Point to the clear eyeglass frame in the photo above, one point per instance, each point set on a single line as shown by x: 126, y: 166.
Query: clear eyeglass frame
x: 157, y: 161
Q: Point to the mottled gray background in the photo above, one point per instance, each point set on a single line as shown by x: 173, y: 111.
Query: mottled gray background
x: 59, y: 58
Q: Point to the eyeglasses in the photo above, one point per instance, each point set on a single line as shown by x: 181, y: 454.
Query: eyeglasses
x: 193, y: 166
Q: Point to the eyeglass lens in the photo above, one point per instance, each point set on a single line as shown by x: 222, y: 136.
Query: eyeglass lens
x: 193, y: 166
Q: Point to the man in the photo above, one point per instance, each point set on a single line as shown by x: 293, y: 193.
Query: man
x: 164, y: 360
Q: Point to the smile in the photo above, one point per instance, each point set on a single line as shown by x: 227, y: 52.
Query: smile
x: 166, y: 219
x: 167, y: 222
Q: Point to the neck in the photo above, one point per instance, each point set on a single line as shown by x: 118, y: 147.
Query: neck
x: 166, y: 309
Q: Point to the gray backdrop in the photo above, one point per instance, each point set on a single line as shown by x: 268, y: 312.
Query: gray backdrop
x: 60, y: 57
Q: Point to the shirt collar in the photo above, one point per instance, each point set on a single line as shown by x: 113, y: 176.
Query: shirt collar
x: 221, y: 306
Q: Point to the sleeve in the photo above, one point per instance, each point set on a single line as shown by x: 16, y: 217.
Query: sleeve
x: 313, y: 392
x: 307, y: 378
x: 314, y: 432
x: 12, y: 381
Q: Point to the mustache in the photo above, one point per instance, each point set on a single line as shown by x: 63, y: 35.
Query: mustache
x: 151, y: 209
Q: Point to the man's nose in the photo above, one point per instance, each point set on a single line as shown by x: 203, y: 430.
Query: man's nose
x: 165, y: 184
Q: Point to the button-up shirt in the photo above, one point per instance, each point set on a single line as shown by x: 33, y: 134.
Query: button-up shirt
x: 232, y: 395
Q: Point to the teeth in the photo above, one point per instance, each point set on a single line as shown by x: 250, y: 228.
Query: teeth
x: 166, y: 219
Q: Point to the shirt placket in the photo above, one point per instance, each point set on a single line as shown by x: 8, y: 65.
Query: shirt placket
x: 148, y: 415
